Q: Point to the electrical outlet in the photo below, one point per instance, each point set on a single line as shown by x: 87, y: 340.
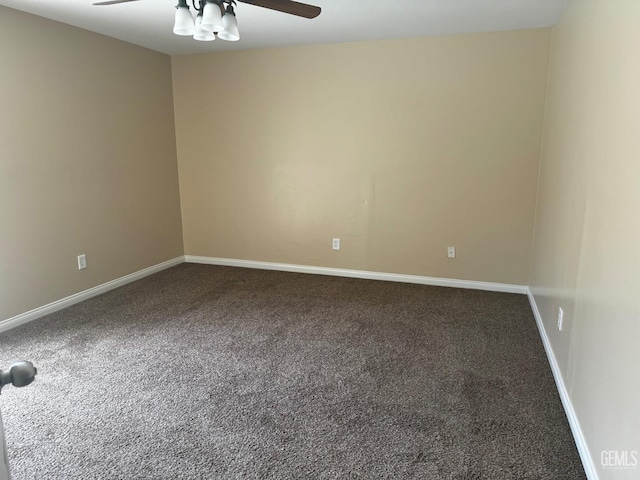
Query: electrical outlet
x: 336, y: 244
x: 451, y: 252
x: 82, y: 262
x: 560, y: 318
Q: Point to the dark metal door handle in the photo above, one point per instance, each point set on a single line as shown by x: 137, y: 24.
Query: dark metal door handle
x: 20, y: 374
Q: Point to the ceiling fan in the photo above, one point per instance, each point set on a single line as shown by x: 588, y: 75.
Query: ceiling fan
x: 217, y: 19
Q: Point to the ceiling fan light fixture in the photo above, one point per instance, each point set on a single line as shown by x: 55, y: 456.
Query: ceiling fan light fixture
x: 214, y: 20
x: 201, y: 34
x: 212, y: 17
x: 183, y: 24
x: 230, y: 23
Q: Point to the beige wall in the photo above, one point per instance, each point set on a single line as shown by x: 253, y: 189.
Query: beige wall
x: 400, y: 148
x: 587, y: 232
x: 87, y: 161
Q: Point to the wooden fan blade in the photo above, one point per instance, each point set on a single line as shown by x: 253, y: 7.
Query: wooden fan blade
x: 114, y: 2
x: 287, y: 6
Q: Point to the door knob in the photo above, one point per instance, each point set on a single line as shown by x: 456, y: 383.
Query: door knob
x: 20, y: 374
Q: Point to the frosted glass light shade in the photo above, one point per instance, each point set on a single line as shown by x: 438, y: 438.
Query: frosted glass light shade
x: 184, y: 22
x: 230, y: 31
x: 201, y: 34
x: 212, y: 17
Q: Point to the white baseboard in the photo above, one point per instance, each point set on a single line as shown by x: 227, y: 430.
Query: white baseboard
x: 84, y: 295
x: 340, y: 272
x: 337, y: 272
x: 576, y: 430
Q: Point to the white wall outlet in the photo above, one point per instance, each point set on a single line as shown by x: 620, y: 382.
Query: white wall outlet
x: 451, y: 252
x: 82, y: 262
x: 336, y: 244
x: 560, y: 318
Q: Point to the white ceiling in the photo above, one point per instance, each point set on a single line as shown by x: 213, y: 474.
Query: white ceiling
x: 149, y: 23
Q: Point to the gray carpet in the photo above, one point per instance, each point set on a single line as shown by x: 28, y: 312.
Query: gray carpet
x: 203, y: 372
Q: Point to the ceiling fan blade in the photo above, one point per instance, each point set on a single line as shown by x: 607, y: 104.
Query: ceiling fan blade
x: 286, y: 6
x: 114, y: 2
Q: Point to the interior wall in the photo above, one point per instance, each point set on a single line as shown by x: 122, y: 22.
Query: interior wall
x: 399, y: 148
x: 587, y: 233
x: 87, y: 161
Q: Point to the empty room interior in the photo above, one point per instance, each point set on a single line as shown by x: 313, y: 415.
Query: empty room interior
x: 324, y: 250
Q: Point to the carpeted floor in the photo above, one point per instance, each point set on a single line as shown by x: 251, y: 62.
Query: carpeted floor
x: 203, y: 372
